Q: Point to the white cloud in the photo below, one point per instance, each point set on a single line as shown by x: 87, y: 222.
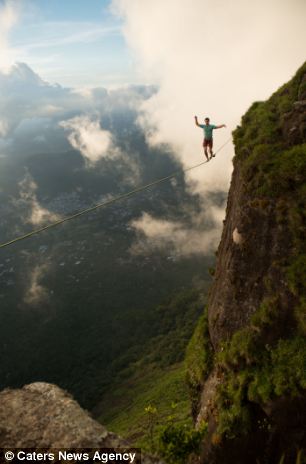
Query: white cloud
x: 3, y: 127
x: 201, y: 236
x: 8, y: 18
x: 36, y: 292
x: 210, y: 58
x: 86, y: 135
x: 36, y: 214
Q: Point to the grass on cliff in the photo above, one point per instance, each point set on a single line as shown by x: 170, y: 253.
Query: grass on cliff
x: 258, y: 373
x: 262, y: 124
x: 198, y: 361
x: 124, y: 411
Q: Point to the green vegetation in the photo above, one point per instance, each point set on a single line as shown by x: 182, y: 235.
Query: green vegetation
x: 271, y: 167
x: 300, y: 458
x: 178, y: 441
x: 260, y: 375
x: 267, y: 359
x: 262, y: 124
x: 198, y: 360
x: 128, y: 408
x: 149, y: 392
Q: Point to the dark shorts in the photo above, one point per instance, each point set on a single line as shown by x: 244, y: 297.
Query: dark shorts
x: 208, y: 143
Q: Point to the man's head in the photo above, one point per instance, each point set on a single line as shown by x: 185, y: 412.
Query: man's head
x: 206, y: 120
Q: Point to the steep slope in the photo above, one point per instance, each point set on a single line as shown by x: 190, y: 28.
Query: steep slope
x: 250, y: 384
x: 157, y: 377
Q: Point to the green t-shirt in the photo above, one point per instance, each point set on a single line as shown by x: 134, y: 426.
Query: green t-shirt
x: 208, y: 130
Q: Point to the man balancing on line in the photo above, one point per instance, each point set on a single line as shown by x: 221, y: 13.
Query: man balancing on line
x: 208, y: 137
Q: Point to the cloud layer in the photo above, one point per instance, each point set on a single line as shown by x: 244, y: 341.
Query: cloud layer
x: 86, y: 135
x: 36, y: 292
x: 35, y: 214
x: 37, y: 117
x: 200, y: 236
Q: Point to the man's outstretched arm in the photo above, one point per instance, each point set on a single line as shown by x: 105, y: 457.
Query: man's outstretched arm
x: 196, y: 121
x: 220, y: 127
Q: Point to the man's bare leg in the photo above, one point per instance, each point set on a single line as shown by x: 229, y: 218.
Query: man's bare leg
x: 206, y: 154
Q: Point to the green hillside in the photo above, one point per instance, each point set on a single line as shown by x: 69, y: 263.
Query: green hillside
x: 157, y: 379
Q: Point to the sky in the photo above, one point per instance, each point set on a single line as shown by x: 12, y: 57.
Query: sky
x: 75, y: 43
x: 207, y: 59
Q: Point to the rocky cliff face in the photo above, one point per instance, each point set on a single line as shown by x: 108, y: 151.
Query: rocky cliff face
x: 41, y: 415
x: 253, y: 393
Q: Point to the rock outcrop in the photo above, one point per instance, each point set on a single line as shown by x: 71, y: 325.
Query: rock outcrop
x: 41, y: 415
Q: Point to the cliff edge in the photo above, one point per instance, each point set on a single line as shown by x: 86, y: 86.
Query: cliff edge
x: 252, y: 381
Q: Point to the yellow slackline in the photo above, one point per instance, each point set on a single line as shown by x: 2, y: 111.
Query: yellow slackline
x: 106, y: 203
